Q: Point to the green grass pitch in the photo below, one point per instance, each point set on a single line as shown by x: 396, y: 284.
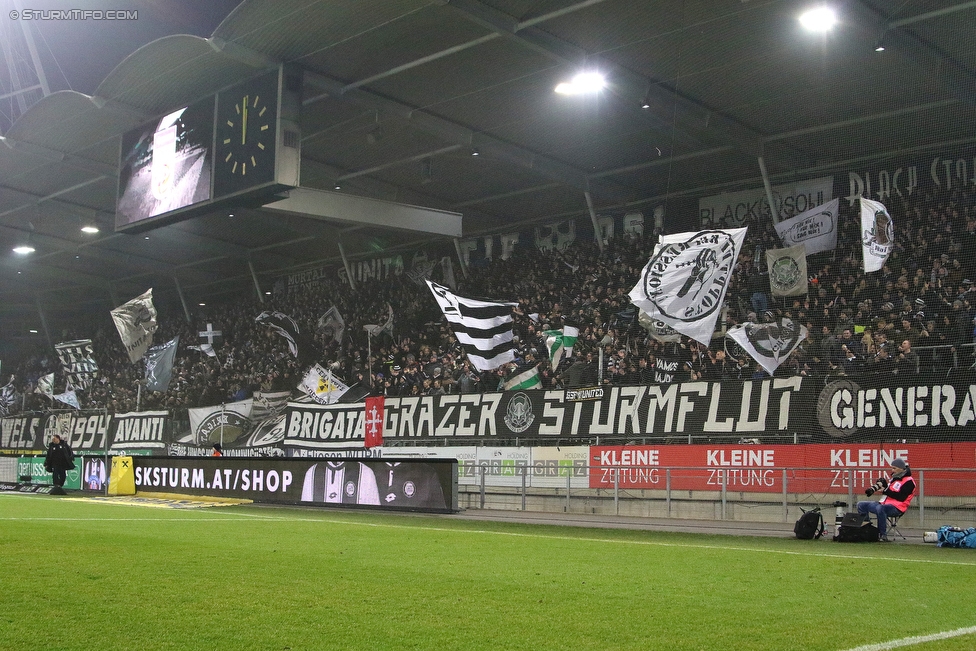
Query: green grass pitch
x: 85, y: 575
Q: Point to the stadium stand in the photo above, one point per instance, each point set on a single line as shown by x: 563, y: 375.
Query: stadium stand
x: 857, y: 322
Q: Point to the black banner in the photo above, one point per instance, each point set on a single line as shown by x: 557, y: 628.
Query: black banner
x: 84, y: 431
x: 22, y: 433
x: 146, y: 430
x: 399, y: 484
x: 841, y: 409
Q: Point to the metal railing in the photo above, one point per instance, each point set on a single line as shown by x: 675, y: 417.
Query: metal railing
x: 940, y: 491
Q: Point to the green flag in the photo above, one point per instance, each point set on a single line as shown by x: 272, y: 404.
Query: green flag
x: 525, y: 380
x: 560, y: 342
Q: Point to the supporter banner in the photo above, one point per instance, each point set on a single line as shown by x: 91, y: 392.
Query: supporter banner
x: 816, y: 469
x: 815, y: 229
x: 877, y: 234
x: 787, y: 271
x: 377, y: 268
x: 250, y: 428
x: 146, y: 430
x: 945, y: 170
x: 22, y: 433
x: 309, y: 278
x: 733, y: 208
x: 83, y: 431
x: 840, y: 410
x: 399, y: 484
x: 222, y: 424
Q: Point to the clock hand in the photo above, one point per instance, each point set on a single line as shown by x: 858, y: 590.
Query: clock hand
x: 244, y: 123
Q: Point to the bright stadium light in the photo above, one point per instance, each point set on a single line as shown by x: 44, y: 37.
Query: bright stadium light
x: 584, y: 82
x: 91, y: 230
x: 821, y: 19
x: 24, y: 249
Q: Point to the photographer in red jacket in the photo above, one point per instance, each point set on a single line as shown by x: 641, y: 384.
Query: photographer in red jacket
x: 896, y: 496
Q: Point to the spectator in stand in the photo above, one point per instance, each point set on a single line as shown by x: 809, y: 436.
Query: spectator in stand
x: 906, y: 362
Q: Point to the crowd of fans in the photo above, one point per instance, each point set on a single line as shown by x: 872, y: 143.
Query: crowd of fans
x: 857, y: 323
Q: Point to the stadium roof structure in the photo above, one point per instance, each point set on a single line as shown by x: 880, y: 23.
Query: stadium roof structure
x: 399, y: 96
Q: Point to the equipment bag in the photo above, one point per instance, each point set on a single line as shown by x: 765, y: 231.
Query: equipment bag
x: 810, y: 525
x: 864, y: 533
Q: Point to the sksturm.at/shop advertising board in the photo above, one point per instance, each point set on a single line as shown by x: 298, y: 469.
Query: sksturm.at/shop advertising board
x: 391, y: 483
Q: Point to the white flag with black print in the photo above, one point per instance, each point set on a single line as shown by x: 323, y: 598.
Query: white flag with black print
x: 684, y: 282
x: 321, y: 386
x: 770, y: 344
x: 136, y: 322
x: 787, y: 271
x: 816, y: 229
x: 78, y: 363
x: 483, y: 328
x: 877, y: 234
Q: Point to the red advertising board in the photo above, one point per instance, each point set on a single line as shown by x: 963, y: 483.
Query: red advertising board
x: 818, y: 469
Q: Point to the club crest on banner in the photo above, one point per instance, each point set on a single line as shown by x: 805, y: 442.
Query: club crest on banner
x: 518, y: 415
x: 686, y: 280
x: 770, y: 344
x: 784, y: 273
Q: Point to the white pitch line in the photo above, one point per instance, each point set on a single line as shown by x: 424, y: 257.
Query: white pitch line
x: 917, y: 639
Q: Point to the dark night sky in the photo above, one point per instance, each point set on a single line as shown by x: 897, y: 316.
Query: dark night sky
x: 80, y: 54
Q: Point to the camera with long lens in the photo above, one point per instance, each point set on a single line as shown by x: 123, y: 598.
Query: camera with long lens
x: 879, y: 485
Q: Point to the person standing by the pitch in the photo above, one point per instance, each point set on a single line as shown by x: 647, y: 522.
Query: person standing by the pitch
x: 59, y: 460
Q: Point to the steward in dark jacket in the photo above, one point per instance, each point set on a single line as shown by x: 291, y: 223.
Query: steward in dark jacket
x: 59, y: 460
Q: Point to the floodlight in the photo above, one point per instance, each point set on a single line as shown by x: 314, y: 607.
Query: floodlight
x: 820, y: 19
x: 24, y: 249
x: 584, y: 82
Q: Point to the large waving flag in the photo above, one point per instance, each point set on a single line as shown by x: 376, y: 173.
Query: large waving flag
x: 78, y: 363
x: 877, y: 234
x: 332, y: 325
x: 69, y: 398
x: 159, y: 365
x: 560, y: 343
x: 770, y: 344
x: 483, y: 328
x: 136, y: 323
x: 321, y: 386
x: 45, y: 385
x: 301, y: 345
x: 684, y: 282
x: 528, y: 379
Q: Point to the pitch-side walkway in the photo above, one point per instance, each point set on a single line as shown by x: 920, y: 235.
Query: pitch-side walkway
x: 717, y: 527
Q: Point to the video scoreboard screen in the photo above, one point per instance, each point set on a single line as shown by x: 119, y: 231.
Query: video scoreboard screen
x: 238, y: 145
x: 166, y: 165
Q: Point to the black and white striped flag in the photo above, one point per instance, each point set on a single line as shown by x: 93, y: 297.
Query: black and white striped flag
x: 483, y: 328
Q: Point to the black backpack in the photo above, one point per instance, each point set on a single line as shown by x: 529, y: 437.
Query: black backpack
x: 810, y: 525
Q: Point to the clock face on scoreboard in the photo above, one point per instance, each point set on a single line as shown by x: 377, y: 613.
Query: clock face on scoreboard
x: 246, y: 136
